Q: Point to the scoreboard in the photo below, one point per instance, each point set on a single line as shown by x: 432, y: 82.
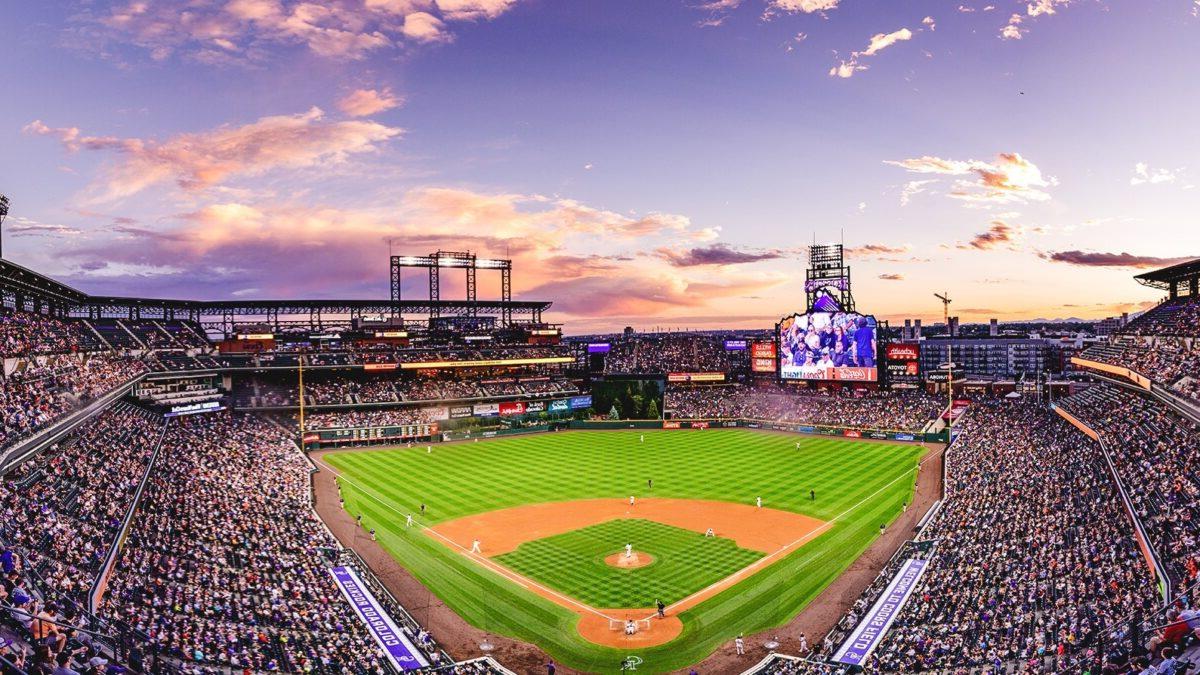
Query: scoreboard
x: 762, y: 357
x: 328, y: 438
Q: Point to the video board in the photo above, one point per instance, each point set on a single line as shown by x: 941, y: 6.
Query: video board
x: 903, y: 363
x: 762, y: 357
x: 838, y: 346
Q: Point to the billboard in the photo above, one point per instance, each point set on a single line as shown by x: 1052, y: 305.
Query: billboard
x: 762, y: 357
x: 486, y: 410
x: 695, y: 377
x: 599, y: 347
x: 580, y: 402
x: 903, y: 363
x: 837, y: 346
x: 735, y: 345
x: 560, y: 406
x: 512, y: 408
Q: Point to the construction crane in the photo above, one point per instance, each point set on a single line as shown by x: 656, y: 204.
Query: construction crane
x: 945, y: 298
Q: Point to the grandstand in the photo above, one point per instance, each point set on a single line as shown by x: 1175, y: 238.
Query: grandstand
x: 159, y: 493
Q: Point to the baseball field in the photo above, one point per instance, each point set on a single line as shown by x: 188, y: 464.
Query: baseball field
x: 561, y: 539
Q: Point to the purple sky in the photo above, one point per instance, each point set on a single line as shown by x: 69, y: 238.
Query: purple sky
x: 645, y: 162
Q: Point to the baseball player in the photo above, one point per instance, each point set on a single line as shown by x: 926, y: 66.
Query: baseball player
x: 628, y: 550
x: 758, y: 501
x: 740, y: 645
x: 475, y: 546
x: 408, y: 522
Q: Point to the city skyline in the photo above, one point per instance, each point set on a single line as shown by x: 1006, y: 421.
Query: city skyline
x: 643, y: 163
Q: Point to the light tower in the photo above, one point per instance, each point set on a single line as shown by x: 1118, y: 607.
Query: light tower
x: 944, y: 296
x: 3, y: 213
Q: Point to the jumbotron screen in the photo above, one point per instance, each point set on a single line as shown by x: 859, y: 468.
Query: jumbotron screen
x: 828, y: 346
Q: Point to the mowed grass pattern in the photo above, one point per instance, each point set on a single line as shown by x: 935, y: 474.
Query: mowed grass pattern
x: 862, y: 484
x: 684, y: 562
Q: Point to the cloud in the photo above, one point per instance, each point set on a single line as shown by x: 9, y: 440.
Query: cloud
x: 804, y: 6
x: 892, y: 277
x: 716, y: 254
x: 1012, y: 30
x: 235, y: 31
x: 875, y: 250
x: 1143, y: 175
x: 200, y: 160
x: 999, y: 233
x: 913, y: 188
x: 928, y: 21
x: 876, y: 44
x: 1009, y: 178
x: 365, y: 102
x: 1097, y: 259
x: 18, y: 226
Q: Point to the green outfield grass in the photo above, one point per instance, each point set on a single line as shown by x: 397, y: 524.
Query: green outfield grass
x: 859, y: 485
x: 684, y: 562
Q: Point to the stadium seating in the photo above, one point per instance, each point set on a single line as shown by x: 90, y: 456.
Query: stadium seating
x: 1175, y: 318
x: 907, y: 412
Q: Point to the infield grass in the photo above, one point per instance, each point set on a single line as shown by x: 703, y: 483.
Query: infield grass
x: 684, y: 562
x: 859, y: 485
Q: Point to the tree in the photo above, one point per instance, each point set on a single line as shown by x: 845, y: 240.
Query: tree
x: 652, y: 412
x: 614, y: 414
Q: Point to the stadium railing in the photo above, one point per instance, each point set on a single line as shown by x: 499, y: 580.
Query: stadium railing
x: 100, y: 585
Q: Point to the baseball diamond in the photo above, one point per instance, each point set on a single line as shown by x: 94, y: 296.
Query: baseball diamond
x: 547, y: 509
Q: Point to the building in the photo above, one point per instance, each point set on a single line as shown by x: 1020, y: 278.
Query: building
x: 994, y: 358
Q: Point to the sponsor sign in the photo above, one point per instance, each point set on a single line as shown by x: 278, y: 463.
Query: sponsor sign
x: 580, y: 402
x: 435, y: 413
x: 535, y: 406
x: 695, y: 377
x: 869, y: 632
x: 194, y: 408
x: 878, y: 435
x: 852, y: 433
x: 735, y: 345
x: 257, y: 336
x: 754, y: 425
x: 560, y: 406
x: 905, y: 437
x: 853, y: 374
x: 402, y: 654
x: 699, y: 425
x: 460, y: 411
x: 391, y: 333
x: 903, y: 352
x: 379, y: 366
x: 806, y: 429
x: 762, y: 350
x: 599, y: 347
x: 766, y: 365
x: 543, y: 331
x: 671, y: 425
x: 512, y: 408
x: 486, y: 409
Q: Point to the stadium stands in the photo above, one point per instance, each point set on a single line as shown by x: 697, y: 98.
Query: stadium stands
x: 1035, y: 559
x: 672, y: 352
x: 1175, y: 318
x: 908, y: 412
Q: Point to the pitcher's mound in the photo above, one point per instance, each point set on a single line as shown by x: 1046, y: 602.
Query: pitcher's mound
x: 638, y: 559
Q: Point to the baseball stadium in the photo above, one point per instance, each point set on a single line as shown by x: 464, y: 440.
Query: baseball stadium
x: 512, y: 337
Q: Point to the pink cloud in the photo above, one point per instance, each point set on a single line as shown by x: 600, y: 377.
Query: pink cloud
x: 364, y: 102
x: 200, y: 160
x: 1009, y: 178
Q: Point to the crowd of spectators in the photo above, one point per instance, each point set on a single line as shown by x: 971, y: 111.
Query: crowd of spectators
x: 1169, y: 362
x: 1155, y: 452
x: 27, y: 333
x: 672, y: 352
x: 42, y: 390
x: 378, y: 417
x: 1035, y: 558
x: 1175, y: 318
x: 224, y: 567
x: 324, y: 389
x: 61, y: 512
x: 909, y: 411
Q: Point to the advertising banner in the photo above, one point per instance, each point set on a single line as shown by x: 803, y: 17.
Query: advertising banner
x: 905, y: 437
x: 535, y: 406
x: 869, y: 632
x: 695, y: 377
x: 560, y: 406
x: 903, y: 352
x: 806, y: 429
x: 671, y: 425
x: 402, y: 654
x: 699, y: 425
x: 379, y: 366
x: 460, y: 411
x: 580, y: 402
x: 435, y: 413
x: 486, y: 410
x: 735, y: 345
x: 852, y: 433
x: 599, y: 347
x: 512, y: 408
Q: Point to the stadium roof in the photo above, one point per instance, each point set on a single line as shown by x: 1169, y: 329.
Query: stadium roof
x: 18, y: 281
x: 1164, y: 277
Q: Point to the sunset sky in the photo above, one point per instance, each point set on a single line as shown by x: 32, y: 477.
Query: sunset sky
x: 644, y: 162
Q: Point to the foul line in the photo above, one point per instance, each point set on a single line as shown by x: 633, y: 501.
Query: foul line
x: 727, y: 581
x: 487, y: 563
x: 763, y: 561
